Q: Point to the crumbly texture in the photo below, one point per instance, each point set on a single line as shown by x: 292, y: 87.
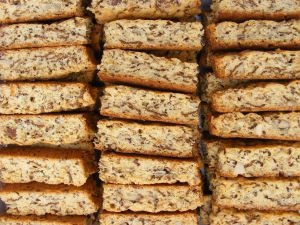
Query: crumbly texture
x: 259, y: 194
x: 134, y: 169
x: 151, y: 198
x: 185, y: 218
x: 140, y: 104
x: 138, y: 68
x: 253, y: 34
x: 41, y: 199
x: 256, y: 97
x: 205, y: 210
x: 147, y: 139
x: 257, y: 65
x: 238, y: 10
x: 281, y: 126
x: 46, y: 165
x: 211, y: 148
x: 259, y: 161
x: 43, y: 220
x: 109, y: 10
x: 153, y: 35
x: 184, y: 56
x: 45, y: 63
x: 73, y: 31
x: 37, y: 10
x: 37, y: 98
x: 210, y: 83
x: 45, y: 129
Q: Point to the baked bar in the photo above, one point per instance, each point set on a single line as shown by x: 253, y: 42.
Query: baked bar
x: 73, y: 31
x: 37, y: 98
x: 211, y: 148
x: 43, y: 220
x: 151, y: 198
x: 210, y: 83
x: 259, y: 194
x: 239, y: 10
x: 147, y: 139
x: 37, y: 10
x: 135, y: 169
x: 108, y: 10
x: 230, y: 216
x: 40, y: 199
x: 184, y: 56
x: 140, y: 104
x: 45, y: 63
x: 119, y: 66
x: 253, y: 34
x: 256, y: 97
x: 205, y: 210
x: 258, y: 65
x: 184, y: 218
x: 153, y: 35
x: 281, y: 126
x: 262, y: 160
x: 46, y: 165
x: 52, y: 129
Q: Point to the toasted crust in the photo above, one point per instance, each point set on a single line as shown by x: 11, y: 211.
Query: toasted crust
x: 280, y: 126
x: 259, y: 194
x: 147, y: 139
x: 106, y: 10
x: 118, y: 66
x: 257, y: 65
x: 258, y: 97
x: 153, y: 35
x: 37, y: 10
x: 37, y: 98
x: 140, y: 104
x: 75, y: 31
x: 45, y: 63
x: 41, y: 199
x: 238, y: 10
x: 135, y: 169
x: 187, y: 218
x: 184, y: 56
x: 151, y: 198
x: 254, y: 34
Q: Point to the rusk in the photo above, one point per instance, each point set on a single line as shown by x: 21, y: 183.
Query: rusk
x: 153, y: 35
x: 119, y: 66
x: 140, y: 104
x: 147, y: 139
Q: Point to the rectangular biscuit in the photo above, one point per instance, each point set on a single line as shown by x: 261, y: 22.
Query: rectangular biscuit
x: 52, y: 129
x: 37, y: 10
x: 257, y: 65
x: 231, y: 216
x: 151, y: 198
x: 239, y: 10
x: 262, y: 160
x: 46, y: 165
x: 256, y: 97
x: 184, y: 56
x: 37, y: 98
x: 153, y: 35
x: 184, y: 218
x: 140, y: 104
x: 135, y: 169
x: 108, y: 10
x: 138, y: 68
x: 281, y: 126
x: 259, y: 194
x: 75, y: 31
x: 147, y: 139
x: 43, y: 220
x: 45, y: 63
x: 253, y: 34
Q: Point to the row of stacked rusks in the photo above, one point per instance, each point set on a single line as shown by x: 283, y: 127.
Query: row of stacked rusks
x: 251, y: 90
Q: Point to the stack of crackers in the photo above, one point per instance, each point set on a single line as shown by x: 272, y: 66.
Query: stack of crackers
x: 252, y: 95
x: 148, y: 136
x: 46, y: 132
